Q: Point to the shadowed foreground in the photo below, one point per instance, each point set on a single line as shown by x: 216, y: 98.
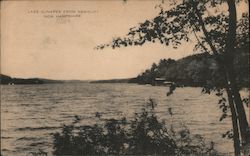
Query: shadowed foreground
x: 143, y: 135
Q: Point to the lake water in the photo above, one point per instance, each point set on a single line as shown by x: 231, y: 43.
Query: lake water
x: 30, y: 114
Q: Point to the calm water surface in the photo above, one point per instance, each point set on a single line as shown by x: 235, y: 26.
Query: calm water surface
x: 30, y: 114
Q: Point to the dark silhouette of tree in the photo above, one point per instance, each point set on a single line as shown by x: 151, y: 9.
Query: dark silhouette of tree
x: 217, y: 34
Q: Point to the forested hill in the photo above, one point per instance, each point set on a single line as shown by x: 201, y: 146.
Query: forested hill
x: 195, y: 70
x: 4, y: 79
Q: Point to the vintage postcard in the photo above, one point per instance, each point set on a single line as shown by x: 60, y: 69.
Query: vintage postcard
x: 124, y: 77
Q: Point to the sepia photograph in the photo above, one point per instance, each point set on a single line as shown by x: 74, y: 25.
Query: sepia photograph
x: 124, y: 77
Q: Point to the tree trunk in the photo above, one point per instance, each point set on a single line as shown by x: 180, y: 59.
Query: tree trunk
x: 229, y: 59
x: 239, y: 119
x: 236, y: 137
x: 243, y: 124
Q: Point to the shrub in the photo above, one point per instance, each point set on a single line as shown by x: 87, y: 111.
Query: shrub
x: 143, y: 135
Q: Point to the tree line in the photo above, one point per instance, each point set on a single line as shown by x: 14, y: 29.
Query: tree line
x: 196, y: 70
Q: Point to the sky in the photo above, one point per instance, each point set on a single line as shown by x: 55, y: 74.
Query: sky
x: 38, y: 45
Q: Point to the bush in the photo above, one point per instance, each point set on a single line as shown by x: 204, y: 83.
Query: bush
x: 143, y: 135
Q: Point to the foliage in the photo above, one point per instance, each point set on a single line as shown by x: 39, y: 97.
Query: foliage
x: 208, y: 23
x: 156, y: 70
x: 188, y: 18
x: 143, y: 135
x: 217, y: 32
x: 195, y: 70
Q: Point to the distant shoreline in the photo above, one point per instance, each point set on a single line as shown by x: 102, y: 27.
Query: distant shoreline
x: 7, y: 80
x: 127, y: 80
